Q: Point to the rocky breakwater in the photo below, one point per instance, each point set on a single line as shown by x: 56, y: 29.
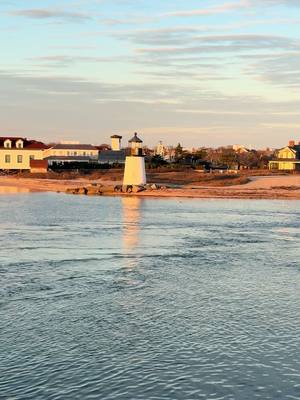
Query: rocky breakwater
x: 102, y: 190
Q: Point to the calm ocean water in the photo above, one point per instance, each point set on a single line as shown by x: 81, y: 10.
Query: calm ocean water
x: 110, y: 298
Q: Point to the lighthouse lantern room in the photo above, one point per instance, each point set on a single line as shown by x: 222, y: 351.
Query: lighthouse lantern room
x: 136, y: 145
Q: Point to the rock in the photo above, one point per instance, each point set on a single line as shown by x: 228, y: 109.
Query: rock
x: 82, y: 190
x: 93, y: 191
x: 137, y: 189
x: 154, y: 187
x: 73, y: 190
x: 97, y: 184
x: 70, y: 191
x: 118, y: 188
x: 126, y: 188
x: 107, y: 189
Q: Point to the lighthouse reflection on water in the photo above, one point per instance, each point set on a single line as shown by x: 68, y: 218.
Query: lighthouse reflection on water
x: 131, y: 223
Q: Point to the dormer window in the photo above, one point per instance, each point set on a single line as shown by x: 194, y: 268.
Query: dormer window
x: 19, y: 144
x: 7, y: 144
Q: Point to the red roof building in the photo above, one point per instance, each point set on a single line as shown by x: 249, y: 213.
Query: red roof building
x: 8, y: 142
x: 16, y: 153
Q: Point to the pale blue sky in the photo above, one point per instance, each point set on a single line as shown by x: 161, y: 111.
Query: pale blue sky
x: 198, y: 72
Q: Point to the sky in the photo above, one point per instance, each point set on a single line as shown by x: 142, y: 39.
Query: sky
x: 198, y: 72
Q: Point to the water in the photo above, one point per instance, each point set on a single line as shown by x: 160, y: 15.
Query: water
x: 110, y: 298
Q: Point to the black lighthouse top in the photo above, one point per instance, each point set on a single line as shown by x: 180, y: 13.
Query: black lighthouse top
x: 136, y: 146
x: 135, y: 139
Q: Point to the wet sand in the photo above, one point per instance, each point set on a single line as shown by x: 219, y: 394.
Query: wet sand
x: 13, y: 184
x: 262, y: 187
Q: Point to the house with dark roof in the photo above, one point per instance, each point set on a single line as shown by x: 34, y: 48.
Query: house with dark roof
x: 287, y: 158
x: 69, y: 153
x: 16, y: 153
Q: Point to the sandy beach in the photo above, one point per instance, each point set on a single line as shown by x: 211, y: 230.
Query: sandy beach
x: 262, y: 187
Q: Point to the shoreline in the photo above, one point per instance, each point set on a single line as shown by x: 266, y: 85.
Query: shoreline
x: 263, y: 187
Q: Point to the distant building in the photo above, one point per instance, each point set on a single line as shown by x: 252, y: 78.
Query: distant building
x: 160, y: 149
x: 240, y: 149
x: 69, y: 153
x: 287, y: 158
x: 104, y: 147
x: 168, y: 153
x: 16, y: 153
x: 116, y: 155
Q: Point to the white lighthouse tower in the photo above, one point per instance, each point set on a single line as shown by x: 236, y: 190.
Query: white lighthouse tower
x: 135, y: 173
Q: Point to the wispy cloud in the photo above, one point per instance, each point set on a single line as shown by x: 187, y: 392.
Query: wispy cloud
x: 279, y: 70
x: 225, y: 44
x: 231, y: 7
x: 224, y: 8
x: 64, y: 60
x: 45, y: 13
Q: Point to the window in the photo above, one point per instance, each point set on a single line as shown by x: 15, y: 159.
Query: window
x: 7, y: 158
x: 19, y: 144
x: 7, y: 144
x: 75, y: 153
x: 84, y: 153
x: 20, y: 159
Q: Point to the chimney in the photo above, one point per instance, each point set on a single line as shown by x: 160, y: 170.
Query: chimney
x: 116, y: 142
x: 291, y: 143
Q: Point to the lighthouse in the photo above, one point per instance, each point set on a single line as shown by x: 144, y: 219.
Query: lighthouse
x: 135, y: 173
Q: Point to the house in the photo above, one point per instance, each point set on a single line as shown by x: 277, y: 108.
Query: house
x: 17, y: 152
x: 63, y: 153
x: 287, y: 159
